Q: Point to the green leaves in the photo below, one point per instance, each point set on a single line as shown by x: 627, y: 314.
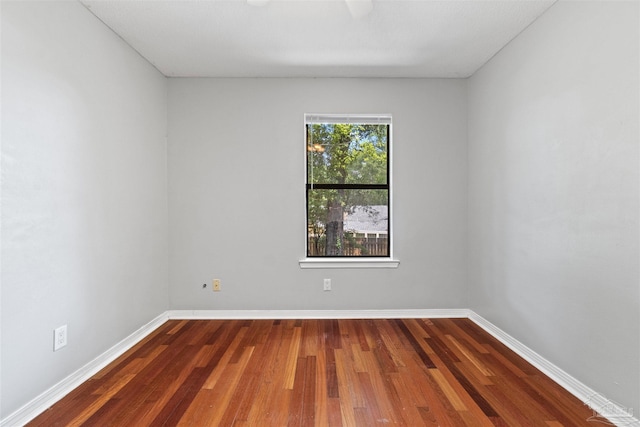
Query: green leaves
x: 347, y: 154
x: 343, y: 161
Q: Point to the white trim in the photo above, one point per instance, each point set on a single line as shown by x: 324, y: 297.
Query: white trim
x: 348, y: 263
x: 46, y: 399
x: 611, y: 410
x: 338, y: 263
x: 318, y: 314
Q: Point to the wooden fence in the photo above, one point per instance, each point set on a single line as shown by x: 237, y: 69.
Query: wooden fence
x: 353, y: 247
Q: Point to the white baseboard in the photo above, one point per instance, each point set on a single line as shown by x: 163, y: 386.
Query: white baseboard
x: 318, y: 314
x: 612, y: 411
x: 602, y: 406
x: 45, y: 400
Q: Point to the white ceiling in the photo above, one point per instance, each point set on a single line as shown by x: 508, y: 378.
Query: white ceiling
x: 317, y: 38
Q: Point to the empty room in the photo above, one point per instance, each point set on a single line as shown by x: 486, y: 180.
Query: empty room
x: 330, y: 213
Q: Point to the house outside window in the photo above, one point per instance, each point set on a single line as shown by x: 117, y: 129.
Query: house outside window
x: 348, y: 186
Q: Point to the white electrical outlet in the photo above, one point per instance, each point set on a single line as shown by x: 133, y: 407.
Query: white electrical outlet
x: 59, y: 337
x: 327, y: 284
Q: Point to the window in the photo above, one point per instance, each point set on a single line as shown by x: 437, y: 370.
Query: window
x: 347, y: 186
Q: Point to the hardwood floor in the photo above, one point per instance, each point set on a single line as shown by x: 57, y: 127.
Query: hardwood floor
x: 410, y: 372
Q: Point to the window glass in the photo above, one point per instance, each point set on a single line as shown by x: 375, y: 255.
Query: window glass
x: 347, y: 188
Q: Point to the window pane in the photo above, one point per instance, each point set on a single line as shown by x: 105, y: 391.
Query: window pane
x: 347, y: 222
x: 345, y: 153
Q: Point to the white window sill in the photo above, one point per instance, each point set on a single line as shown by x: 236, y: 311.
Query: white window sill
x: 348, y: 263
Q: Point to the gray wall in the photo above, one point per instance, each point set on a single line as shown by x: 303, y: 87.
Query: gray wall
x: 84, y: 194
x: 549, y: 196
x: 236, y: 193
x: 553, y: 190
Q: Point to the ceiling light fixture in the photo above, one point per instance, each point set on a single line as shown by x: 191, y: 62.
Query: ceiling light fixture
x: 257, y: 2
x: 357, y: 8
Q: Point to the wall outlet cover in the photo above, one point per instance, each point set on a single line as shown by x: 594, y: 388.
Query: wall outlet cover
x: 59, y: 337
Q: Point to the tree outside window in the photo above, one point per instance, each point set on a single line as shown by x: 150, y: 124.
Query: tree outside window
x: 348, y: 186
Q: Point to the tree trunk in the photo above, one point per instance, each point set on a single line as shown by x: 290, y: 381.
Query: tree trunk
x: 335, y: 229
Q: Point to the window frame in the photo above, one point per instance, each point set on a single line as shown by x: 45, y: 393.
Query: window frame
x: 350, y: 261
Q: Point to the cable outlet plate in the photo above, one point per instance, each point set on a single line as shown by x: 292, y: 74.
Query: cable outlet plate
x: 216, y: 285
x: 59, y: 337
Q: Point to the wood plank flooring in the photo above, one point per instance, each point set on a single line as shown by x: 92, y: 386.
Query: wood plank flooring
x: 409, y: 372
